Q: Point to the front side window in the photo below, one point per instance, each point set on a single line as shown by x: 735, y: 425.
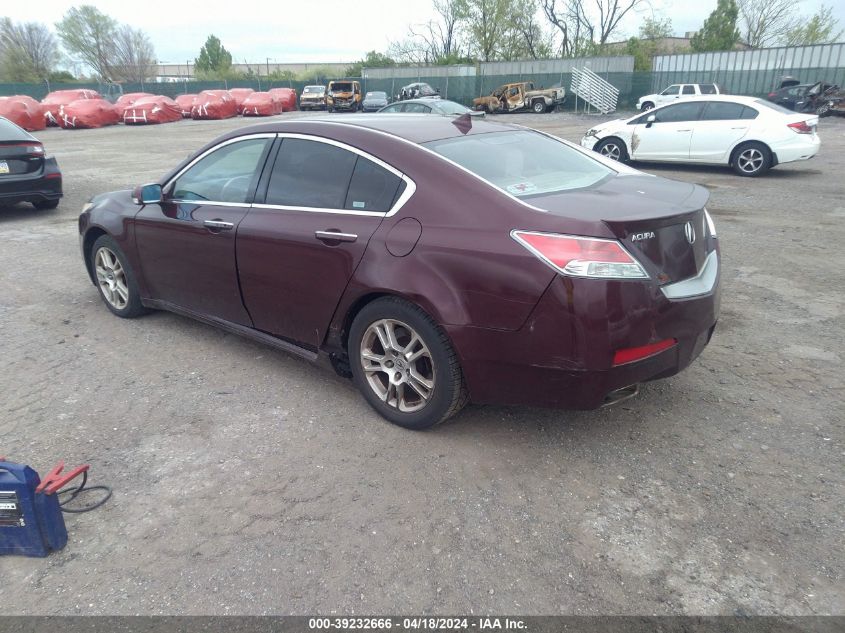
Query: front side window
x: 671, y: 90
x: 523, y: 162
x: 689, y: 111
x: 226, y: 175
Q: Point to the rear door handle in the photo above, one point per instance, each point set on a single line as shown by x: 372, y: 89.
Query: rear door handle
x: 218, y: 225
x: 335, y: 236
x: 683, y: 130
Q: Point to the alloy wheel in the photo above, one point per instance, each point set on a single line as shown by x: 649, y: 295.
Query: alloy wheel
x: 111, y: 278
x: 750, y: 160
x: 398, y: 365
x: 611, y: 150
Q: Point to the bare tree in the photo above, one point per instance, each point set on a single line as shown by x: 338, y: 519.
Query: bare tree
x: 28, y: 48
x: 134, y: 57
x: 435, y: 41
x: 89, y: 34
x: 610, y: 14
x: 573, y: 26
x: 528, y: 38
x: 767, y: 22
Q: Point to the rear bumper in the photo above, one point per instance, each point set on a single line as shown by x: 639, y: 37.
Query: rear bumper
x: 797, y: 149
x: 563, y: 355
x: 46, y: 185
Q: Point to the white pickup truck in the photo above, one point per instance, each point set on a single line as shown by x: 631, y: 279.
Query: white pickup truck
x: 677, y: 91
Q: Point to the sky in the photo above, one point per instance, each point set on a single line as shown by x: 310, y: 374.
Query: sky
x: 311, y: 30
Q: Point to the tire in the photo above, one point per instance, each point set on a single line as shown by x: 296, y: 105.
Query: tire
x: 612, y: 148
x: 110, y: 267
x: 648, y: 105
x: 538, y: 107
x: 45, y: 205
x: 751, y: 159
x: 380, y: 378
x: 331, y: 109
x: 823, y: 109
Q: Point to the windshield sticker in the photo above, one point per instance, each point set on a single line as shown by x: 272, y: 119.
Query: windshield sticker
x: 358, y: 205
x: 522, y: 187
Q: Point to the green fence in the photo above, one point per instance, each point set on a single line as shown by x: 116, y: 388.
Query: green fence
x: 464, y: 89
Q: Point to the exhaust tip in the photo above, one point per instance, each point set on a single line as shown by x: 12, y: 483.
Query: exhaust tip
x: 620, y: 395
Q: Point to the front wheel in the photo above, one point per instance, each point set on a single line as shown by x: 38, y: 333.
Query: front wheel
x: 612, y: 148
x: 648, y: 105
x: 538, y: 106
x: 115, y: 279
x: 404, y: 364
x: 752, y: 159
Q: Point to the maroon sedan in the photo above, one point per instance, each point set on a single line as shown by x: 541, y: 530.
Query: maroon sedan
x: 435, y: 261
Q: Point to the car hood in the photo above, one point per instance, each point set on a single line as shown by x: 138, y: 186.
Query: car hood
x: 609, y: 126
x: 647, y: 97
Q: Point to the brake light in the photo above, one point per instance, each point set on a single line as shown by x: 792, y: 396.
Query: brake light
x: 633, y: 354
x: 578, y: 256
x: 772, y: 94
x: 801, y: 127
x: 31, y: 148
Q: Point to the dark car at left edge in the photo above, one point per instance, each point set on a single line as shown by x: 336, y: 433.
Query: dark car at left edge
x: 27, y: 174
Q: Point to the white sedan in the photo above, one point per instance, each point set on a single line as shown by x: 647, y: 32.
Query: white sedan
x: 749, y: 134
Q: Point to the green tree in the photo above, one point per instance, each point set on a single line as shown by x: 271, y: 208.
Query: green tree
x: 60, y: 76
x: 819, y: 29
x: 719, y: 32
x: 647, y: 45
x: 487, y: 21
x: 214, y: 60
x: 89, y: 34
x: 372, y: 59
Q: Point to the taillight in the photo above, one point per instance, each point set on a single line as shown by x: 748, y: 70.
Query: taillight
x: 582, y: 256
x: 801, y: 127
x: 772, y: 94
x: 633, y: 354
x: 30, y: 148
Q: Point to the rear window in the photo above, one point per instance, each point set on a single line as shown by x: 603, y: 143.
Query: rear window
x: 707, y: 89
x: 522, y: 162
x: 450, y: 107
x: 727, y: 111
x: 314, y: 89
x: 11, y: 132
x: 773, y: 106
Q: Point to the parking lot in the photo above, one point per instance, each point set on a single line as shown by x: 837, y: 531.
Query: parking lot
x: 247, y: 481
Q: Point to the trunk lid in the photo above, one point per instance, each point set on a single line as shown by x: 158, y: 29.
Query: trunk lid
x: 20, y: 158
x: 661, y: 222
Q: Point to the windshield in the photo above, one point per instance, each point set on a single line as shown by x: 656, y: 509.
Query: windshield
x: 341, y: 87
x: 310, y: 89
x: 522, y: 162
x: 376, y: 95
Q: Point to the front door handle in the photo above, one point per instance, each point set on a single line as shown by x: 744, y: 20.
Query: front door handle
x: 683, y: 130
x: 218, y: 225
x: 335, y: 236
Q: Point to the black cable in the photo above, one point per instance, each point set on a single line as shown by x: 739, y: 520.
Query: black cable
x: 74, y: 492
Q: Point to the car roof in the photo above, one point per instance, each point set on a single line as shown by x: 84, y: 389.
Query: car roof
x: 417, y: 128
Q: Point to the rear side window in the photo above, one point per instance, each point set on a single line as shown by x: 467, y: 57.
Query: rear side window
x: 749, y: 113
x: 310, y: 174
x: 707, y: 89
x: 773, y: 106
x: 722, y: 111
x: 689, y: 90
x: 689, y: 111
x: 372, y: 188
x: 417, y: 107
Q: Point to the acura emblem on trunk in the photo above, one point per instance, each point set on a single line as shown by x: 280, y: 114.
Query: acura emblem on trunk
x: 689, y: 231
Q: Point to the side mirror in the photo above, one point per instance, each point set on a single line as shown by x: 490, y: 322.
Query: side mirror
x: 147, y: 194
x: 650, y: 120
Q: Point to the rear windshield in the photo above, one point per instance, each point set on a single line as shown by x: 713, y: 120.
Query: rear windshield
x: 377, y: 95
x: 773, y: 106
x: 450, y: 107
x: 317, y: 89
x: 522, y: 162
x: 342, y: 87
x: 11, y: 132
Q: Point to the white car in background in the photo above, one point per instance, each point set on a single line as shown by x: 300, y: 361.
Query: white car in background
x: 749, y: 134
x: 675, y: 92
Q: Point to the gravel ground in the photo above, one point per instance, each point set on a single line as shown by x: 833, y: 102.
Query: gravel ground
x: 247, y: 481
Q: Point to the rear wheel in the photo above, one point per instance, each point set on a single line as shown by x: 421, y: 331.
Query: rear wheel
x: 539, y: 106
x: 115, y: 279
x: 752, y: 159
x: 613, y: 148
x: 404, y: 365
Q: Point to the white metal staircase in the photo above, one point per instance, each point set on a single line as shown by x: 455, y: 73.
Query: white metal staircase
x: 597, y: 92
